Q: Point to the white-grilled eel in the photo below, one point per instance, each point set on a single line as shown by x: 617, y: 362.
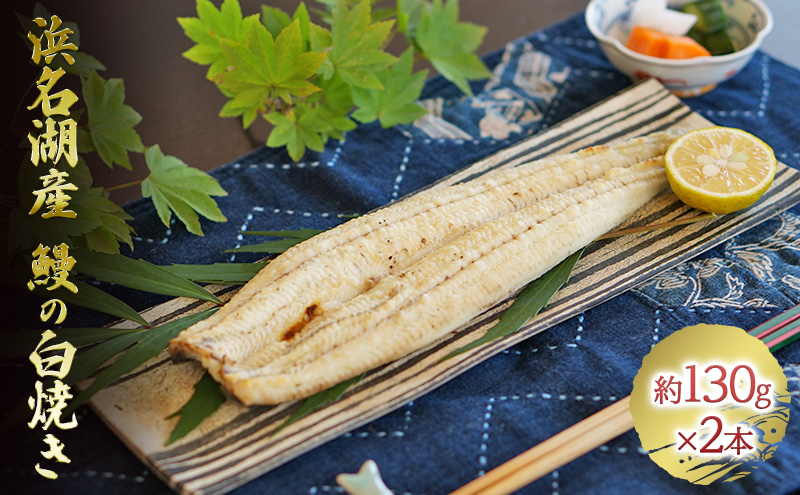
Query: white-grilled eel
x: 385, y: 284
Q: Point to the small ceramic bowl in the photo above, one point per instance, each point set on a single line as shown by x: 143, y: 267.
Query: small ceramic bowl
x: 750, y: 20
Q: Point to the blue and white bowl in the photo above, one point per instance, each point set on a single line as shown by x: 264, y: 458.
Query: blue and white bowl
x: 751, y: 21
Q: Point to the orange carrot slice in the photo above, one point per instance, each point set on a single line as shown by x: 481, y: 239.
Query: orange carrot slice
x: 652, y: 42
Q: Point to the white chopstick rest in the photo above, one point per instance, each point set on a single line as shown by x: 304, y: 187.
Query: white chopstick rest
x: 366, y: 482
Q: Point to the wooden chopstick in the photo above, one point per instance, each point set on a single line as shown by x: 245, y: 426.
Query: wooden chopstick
x: 599, y: 428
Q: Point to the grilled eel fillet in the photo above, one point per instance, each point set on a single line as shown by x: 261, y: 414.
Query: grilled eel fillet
x: 385, y: 284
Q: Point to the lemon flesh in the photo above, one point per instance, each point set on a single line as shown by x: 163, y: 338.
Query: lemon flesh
x: 719, y: 169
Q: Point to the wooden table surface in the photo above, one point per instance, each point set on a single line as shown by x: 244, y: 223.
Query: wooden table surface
x: 141, y: 42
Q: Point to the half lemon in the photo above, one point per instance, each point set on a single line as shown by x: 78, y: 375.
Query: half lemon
x: 719, y: 169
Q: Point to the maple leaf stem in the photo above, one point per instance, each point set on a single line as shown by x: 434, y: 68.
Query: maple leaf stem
x: 122, y: 186
x: 251, y: 139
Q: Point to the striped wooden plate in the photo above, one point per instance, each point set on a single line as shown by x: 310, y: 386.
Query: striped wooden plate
x: 236, y: 444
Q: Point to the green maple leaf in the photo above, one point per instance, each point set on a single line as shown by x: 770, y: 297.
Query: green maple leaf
x: 313, y: 120
x: 111, y: 226
x: 355, y: 52
x: 264, y: 68
x: 395, y: 104
x: 209, y: 27
x: 450, y: 44
x: 408, y: 15
x: 321, y: 41
x: 299, y: 129
x: 335, y: 107
x: 276, y: 20
x: 111, y: 122
x: 176, y: 187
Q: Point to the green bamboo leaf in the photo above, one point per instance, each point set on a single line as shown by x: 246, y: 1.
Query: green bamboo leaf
x: 89, y: 296
x: 18, y: 343
x: 150, y: 343
x: 92, y: 359
x: 218, y: 273
x: 138, y: 274
x: 270, y: 247
x: 318, y: 400
x: 206, y: 399
x: 80, y: 337
x: 529, y: 302
x: 290, y: 238
x: 295, y: 234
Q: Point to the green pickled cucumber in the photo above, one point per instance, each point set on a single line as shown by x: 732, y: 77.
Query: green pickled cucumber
x: 710, y: 16
x: 719, y: 43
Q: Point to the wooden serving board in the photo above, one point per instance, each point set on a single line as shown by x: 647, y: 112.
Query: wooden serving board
x: 235, y: 445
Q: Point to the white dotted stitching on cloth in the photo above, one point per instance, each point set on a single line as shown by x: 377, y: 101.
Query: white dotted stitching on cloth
x: 554, y: 483
x: 325, y: 488
x: 569, y: 41
x: 273, y: 166
x: 553, y: 347
x: 485, y: 437
x: 337, y: 151
x: 722, y: 310
x: 407, y: 415
x: 729, y: 113
x: 276, y: 211
x: 548, y: 396
x: 289, y: 166
x: 655, y: 328
x: 160, y: 241
x: 484, y: 446
x: 621, y: 450
x: 385, y: 434
x: 486, y: 140
x: 379, y: 434
x: 785, y: 156
x: 597, y: 74
x: 402, y: 171
x: 74, y: 474
x: 762, y: 104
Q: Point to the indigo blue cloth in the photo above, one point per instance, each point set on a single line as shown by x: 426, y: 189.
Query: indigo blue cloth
x: 536, y: 389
